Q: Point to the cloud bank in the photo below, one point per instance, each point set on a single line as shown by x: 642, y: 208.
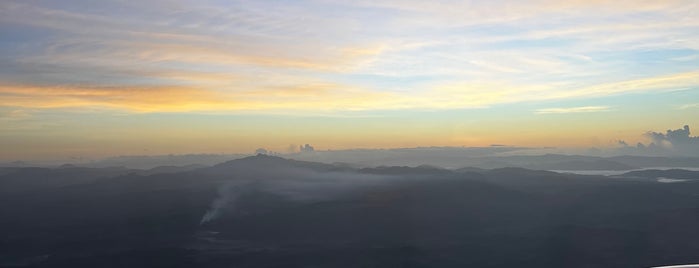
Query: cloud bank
x: 677, y: 142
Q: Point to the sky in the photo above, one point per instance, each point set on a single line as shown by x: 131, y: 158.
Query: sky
x: 90, y: 79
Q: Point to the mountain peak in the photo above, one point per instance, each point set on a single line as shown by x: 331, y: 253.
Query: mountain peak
x: 269, y: 163
x: 259, y: 158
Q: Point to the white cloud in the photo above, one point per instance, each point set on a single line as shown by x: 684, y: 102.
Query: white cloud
x: 689, y: 106
x: 568, y: 110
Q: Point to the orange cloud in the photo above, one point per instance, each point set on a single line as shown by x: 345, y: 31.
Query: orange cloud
x: 142, y: 99
x: 310, y: 97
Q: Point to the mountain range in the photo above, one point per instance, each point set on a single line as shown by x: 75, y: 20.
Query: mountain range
x: 267, y: 211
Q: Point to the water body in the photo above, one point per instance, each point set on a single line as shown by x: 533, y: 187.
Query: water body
x: 618, y: 172
x: 669, y: 180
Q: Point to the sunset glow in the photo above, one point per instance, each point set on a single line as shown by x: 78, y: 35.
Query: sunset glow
x: 101, y: 78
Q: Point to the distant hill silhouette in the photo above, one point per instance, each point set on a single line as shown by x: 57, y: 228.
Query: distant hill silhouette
x: 267, y: 211
x: 262, y: 162
x: 403, y: 170
x: 600, y: 164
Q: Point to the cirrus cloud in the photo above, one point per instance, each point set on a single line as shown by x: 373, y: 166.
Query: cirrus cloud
x: 568, y: 110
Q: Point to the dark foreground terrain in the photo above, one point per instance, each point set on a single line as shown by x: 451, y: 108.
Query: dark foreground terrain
x: 266, y: 211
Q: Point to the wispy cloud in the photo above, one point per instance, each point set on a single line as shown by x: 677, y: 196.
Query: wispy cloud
x: 688, y: 106
x: 328, y: 54
x: 568, y: 110
x: 281, y: 92
x: 14, y: 114
x: 310, y: 97
x: 411, y: 66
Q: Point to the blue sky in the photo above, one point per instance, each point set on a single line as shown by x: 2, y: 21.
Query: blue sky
x: 242, y: 74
